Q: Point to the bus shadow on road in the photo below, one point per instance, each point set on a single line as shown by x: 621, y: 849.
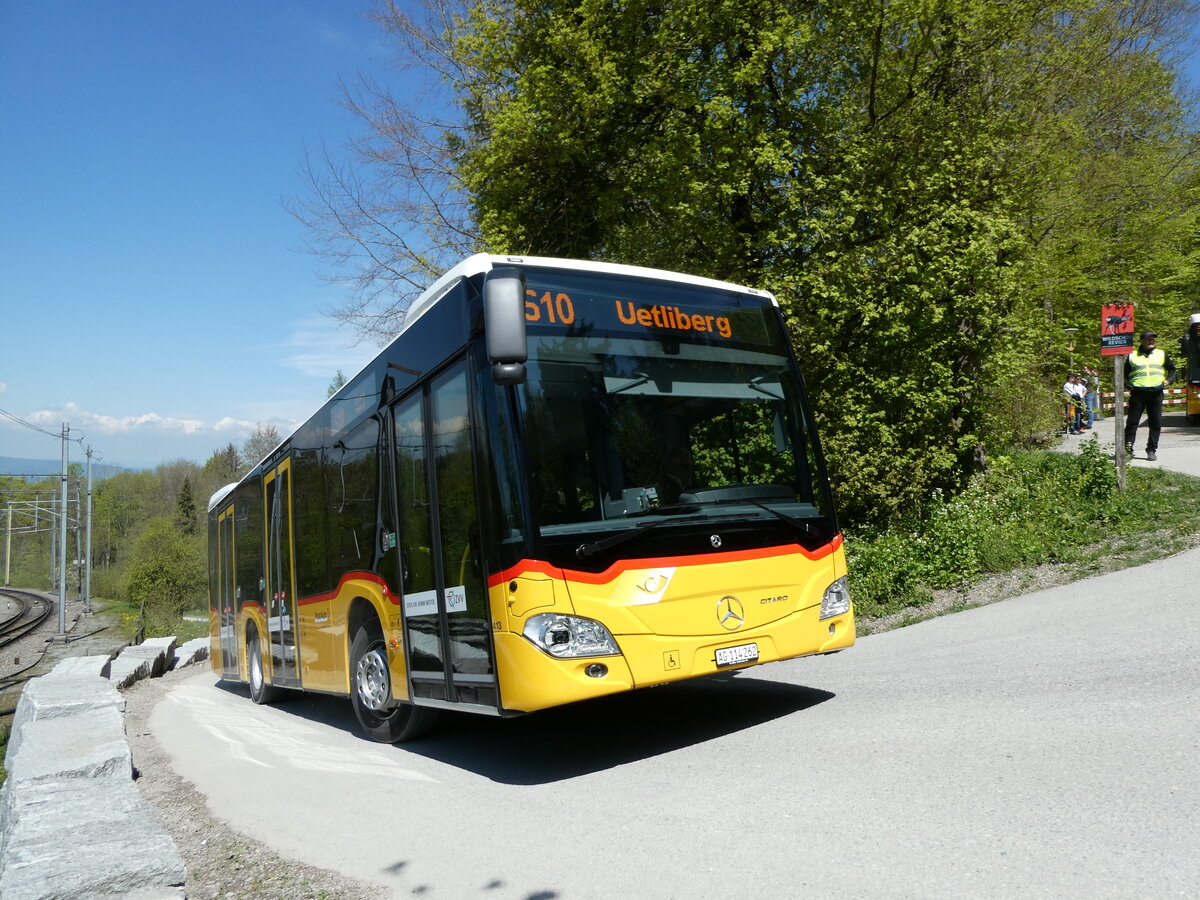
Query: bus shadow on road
x: 581, y: 738
x: 594, y: 735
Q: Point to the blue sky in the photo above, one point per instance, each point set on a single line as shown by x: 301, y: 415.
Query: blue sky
x: 154, y: 292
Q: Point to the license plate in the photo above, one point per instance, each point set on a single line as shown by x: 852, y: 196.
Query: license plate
x: 733, y: 656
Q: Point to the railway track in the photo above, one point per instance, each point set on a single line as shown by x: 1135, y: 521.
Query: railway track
x: 26, y: 611
x: 22, y: 615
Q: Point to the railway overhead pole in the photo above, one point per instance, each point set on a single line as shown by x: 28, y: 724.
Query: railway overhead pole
x: 62, y: 540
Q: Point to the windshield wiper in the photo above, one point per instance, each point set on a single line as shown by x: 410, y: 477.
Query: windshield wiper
x: 755, y: 384
x: 798, y: 524
x: 639, y: 379
x: 587, y: 551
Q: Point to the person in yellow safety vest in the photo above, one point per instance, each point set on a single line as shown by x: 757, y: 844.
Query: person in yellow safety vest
x: 1148, y: 370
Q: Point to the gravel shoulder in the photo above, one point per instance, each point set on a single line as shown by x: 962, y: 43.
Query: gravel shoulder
x: 221, y: 862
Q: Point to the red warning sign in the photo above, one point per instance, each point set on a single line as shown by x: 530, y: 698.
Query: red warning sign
x: 1116, y: 329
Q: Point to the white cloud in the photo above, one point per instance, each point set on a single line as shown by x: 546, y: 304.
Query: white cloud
x: 84, y: 420
x: 3, y: 387
x: 230, y: 424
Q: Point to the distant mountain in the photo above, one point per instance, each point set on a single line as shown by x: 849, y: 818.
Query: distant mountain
x: 41, y: 468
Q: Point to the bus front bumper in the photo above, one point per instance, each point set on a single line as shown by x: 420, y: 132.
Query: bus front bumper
x: 531, y: 679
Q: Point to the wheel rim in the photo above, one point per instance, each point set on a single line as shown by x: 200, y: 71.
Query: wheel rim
x: 374, y: 686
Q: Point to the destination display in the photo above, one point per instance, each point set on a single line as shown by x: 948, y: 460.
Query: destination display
x: 584, y: 305
x: 561, y: 310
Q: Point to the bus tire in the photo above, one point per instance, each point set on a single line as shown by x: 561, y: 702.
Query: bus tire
x: 382, y: 718
x: 260, y: 691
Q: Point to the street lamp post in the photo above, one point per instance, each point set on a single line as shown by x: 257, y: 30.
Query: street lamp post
x: 1070, y: 332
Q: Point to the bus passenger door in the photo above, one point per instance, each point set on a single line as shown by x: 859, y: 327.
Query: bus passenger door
x: 445, y: 598
x: 226, y: 595
x: 280, y: 595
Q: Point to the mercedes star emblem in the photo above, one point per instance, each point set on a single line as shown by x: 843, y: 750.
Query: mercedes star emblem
x: 729, y: 613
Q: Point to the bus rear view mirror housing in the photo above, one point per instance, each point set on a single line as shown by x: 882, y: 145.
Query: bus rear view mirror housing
x: 504, y: 324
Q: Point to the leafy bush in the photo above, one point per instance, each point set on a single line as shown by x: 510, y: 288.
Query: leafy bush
x: 1031, y: 507
x: 166, y: 575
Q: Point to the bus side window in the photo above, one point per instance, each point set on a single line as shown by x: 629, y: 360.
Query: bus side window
x: 354, y: 475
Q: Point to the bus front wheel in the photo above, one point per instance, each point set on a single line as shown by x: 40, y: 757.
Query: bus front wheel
x: 260, y: 691
x: 382, y: 718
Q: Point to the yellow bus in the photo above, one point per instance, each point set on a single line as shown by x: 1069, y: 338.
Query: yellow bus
x: 1190, y: 347
x: 561, y: 480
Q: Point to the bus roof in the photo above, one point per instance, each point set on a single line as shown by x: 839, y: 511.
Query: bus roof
x: 483, y: 262
x: 219, y: 495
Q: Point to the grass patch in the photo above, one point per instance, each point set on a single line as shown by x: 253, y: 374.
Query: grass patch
x: 1031, y: 510
x: 158, y: 623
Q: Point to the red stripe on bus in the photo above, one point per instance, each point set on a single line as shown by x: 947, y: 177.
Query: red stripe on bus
x: 358, y: 576
x: 609, y: 574
x: 619, y: 568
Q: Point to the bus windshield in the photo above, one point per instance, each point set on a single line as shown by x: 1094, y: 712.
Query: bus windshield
x: 650, y: 401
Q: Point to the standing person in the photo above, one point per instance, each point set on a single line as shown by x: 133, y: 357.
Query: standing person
x: 1092, y: 382
x: 1148, y: 370
x: 1073, y: 393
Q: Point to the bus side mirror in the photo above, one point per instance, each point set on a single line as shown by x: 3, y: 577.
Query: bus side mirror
x: 504, y: 324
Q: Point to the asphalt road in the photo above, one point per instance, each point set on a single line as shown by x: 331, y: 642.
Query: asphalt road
x: 1178, y: 446
x: 1044, y: 746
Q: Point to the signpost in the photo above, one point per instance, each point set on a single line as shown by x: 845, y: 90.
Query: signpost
x: 1116, y: 340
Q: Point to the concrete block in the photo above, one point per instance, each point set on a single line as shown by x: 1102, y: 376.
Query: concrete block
x: 127, y: 669
x: 160, y: 652
x: 90, y: 744
x: 166, y: 645
x: 82, y: 665
x: 192, y: 651
x: 72, y: 822
x: 77, y: 837
x: 149, y: 659
x: 61, y: 696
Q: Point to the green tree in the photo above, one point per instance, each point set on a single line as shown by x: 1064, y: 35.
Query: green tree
x: 185, y: 509
x: 120, y: 505
x: 339, y: 380
x: 262, y: 441
x: 166, y: 576
x: 928, y: 187
x: 224, y: 466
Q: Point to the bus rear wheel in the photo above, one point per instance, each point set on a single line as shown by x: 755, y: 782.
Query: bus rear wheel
x: 382, y: 718
x: 260, y: 691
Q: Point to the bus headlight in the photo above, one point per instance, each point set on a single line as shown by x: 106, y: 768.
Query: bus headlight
x: 836, y: 599
x: 570, y: 636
